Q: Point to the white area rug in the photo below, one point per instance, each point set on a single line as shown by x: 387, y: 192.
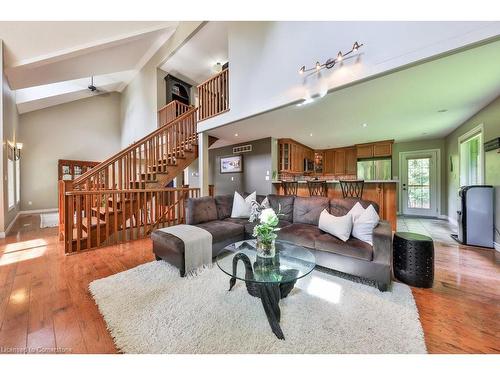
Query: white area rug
x: 49, y: 219
x: 150, y: 309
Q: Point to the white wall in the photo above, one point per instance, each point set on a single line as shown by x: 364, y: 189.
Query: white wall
x: 140, y: 101
x: 86, y: 129
x: 264, y: 57
x: 9, y: 119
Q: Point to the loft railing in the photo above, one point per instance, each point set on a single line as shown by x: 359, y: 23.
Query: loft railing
x: 131, y: 167
x: 107, y: 217
x: 213, y: 96
x: 171, y: 111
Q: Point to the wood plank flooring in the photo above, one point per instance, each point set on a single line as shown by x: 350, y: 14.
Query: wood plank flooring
x: 45, y: 305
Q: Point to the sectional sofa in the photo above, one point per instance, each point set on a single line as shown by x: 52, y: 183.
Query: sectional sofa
x: 299, y: 224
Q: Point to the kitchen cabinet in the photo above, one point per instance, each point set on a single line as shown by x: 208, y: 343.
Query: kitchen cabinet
x: 374, y: 150
x: 351, y: 161
x: 382, y: 149
x: 339, y: 168
x: 292, y: 155
x: 329, y: 161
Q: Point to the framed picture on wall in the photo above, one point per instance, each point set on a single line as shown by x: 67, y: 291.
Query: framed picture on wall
x: 231, y: 164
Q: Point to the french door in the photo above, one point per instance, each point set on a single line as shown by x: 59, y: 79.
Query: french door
x: 419, y: 183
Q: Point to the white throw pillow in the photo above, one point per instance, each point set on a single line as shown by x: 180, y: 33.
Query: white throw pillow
x: 356, y: 211
x: 242, y: 206
x: 338, y: 226
x: 362, y: 227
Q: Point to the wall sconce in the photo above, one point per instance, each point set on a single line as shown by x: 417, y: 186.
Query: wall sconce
x: 17, y: 151
x: 330, y: 63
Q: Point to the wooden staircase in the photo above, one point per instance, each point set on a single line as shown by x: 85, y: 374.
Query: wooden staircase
x: 125, y: 197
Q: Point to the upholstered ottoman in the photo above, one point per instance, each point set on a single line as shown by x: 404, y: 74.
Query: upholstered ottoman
x: 169, y: 248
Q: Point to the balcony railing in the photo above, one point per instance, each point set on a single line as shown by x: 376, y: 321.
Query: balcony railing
x: 213, y: 96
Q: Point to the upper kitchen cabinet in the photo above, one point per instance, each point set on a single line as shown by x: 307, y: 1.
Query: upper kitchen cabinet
x: 350, y: 161
x: 374, y: 150
x: 292, y: 155
x: 329, y: 161
x: 339, y: 161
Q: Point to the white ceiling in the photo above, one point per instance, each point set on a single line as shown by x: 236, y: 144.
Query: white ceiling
x: 50, y: 63
x: 402, y: 106
x: 195, y: 60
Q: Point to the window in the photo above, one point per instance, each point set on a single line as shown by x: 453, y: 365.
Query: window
x: 419, y: 183
x: 10, y: 177
x: 471, y: 157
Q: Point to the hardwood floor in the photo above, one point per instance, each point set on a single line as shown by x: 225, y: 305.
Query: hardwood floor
x: 45, y: 303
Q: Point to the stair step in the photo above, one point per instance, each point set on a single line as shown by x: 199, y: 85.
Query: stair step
x: 93, y: 223
x: 102, y: 211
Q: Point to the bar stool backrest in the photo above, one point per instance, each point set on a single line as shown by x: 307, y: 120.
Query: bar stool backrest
x: 290, y: 187
x: 317, y: 188
x: 352, y: 188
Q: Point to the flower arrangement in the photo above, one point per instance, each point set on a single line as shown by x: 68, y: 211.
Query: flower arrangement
x: 265, y: 231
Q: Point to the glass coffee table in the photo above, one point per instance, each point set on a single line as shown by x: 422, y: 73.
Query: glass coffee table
x: 269, y: 279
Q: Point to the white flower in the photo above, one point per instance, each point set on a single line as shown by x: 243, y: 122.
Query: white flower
x: 269, y: 217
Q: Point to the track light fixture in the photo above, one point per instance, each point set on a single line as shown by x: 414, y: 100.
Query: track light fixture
x: 330, y: 63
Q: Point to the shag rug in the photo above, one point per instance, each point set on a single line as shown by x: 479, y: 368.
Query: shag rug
x: 150, y: 309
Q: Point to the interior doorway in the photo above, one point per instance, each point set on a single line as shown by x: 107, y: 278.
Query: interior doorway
x: 419, y: 189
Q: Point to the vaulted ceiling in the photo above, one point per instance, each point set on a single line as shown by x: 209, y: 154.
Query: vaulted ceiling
x: 425, y: 101
x: 50, y: 63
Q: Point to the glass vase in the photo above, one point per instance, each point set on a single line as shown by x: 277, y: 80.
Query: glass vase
x: 265, y: 249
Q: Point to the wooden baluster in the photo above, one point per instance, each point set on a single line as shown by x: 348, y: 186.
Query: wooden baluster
x: 78, y: 222
x: 145, y: 213
x: 69, y: 223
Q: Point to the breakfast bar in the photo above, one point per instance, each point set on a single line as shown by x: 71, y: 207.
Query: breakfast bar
x: 382, y: 192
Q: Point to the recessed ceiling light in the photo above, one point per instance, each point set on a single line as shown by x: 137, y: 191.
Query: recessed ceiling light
x: 443, y: 110
x: 235, y: 134
x: 364, y: 125
x: 310, y: 135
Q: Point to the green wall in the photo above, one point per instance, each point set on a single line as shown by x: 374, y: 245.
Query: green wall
x: 489, y: 116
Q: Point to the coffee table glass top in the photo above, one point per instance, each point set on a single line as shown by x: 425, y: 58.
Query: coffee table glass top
x: 291, y: 262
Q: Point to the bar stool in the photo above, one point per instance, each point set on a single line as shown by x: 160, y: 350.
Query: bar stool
x: 317, y: 188
x: 290, y: 187
x: 352, y: 188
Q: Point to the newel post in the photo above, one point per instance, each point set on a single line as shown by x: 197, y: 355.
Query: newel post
x: 63, y: 187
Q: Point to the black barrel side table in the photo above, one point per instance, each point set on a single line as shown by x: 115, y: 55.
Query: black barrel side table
x: 413, y: 259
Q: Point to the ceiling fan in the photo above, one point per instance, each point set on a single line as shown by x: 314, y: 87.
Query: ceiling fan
x: 94, y: 89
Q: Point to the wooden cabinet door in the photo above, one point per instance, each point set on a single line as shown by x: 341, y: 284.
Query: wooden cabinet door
x: 351, y: 161
x: 329, y: 162
x: 339, y: 162
x: 364, y: 151
x: 382, y: 149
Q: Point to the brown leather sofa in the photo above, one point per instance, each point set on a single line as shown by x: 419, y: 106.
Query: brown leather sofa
x: 299, y: 224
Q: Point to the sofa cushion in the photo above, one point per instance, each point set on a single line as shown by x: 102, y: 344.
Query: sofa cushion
x: 340, y: 207
x: 242, y: 207
x: 306, y: 210
x: 286, y: 204
x: 300, y: 234
x: 353, y: 247
x: 222, y: 230
x: 200, y: 210
x: 224, y: 205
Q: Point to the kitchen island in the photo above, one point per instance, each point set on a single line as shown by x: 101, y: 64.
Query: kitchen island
x: 382, y: 192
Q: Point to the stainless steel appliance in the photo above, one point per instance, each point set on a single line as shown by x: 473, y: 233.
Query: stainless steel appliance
x: 374, y: 169
x: 308, y: 165
x: 475, y: 217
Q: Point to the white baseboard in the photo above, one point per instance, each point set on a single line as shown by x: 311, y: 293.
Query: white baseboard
x: 497, y: 246
x: 43, y: 210
x: 27, y: 212
x: 7, y: 230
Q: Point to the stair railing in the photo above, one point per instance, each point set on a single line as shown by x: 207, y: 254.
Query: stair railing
x: 171, y: 111
x: 132, y: 167
x: 106, y: 217
x: 213, y: 96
